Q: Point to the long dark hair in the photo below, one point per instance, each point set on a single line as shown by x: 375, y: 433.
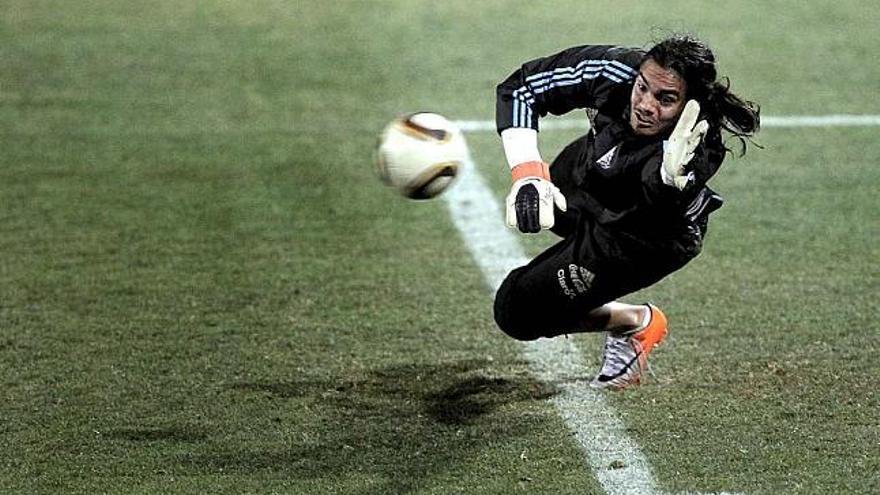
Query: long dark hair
x: 693, y: 60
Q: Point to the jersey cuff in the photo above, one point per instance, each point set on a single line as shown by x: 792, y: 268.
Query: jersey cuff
x: 520, y: 145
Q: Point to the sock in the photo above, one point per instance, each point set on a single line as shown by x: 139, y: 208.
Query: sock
x: 645, y: 322
x: 647, y: 319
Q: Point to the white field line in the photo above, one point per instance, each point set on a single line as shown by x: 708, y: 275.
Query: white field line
x: 616, y: 460
x: 766, y: 121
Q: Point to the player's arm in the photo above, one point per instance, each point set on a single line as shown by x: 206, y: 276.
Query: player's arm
x: 678, y: 151
x: 579, y: 77
x: 532, y: 196
x: 691, y: 155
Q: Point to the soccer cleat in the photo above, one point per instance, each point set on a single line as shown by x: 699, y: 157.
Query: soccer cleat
x: 626, y: 355
x: 621, y: 363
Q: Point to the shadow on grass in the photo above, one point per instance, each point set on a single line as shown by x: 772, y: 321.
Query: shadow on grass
x: 395, y: 426
x: 156, y: 434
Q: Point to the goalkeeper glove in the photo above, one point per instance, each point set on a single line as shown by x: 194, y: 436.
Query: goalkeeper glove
x: 532, y: 196
x: 679, y: 149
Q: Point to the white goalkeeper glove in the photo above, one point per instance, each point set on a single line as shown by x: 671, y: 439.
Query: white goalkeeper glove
x: 679, y: 149
x: 532, y: 196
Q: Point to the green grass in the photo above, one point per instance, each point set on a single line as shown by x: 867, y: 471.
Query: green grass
x: 204, y: 288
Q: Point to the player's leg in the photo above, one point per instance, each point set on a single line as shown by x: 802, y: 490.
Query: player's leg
x: 558, y: 293
x: 617, y: 317
x: 625, y: 356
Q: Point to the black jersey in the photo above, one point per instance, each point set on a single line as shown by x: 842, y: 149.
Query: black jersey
x: 617, y: 183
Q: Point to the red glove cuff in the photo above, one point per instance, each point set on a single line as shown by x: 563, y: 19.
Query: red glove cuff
x: 531, y: 169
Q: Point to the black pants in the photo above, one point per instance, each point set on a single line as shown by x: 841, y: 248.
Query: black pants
x: 592, y: 265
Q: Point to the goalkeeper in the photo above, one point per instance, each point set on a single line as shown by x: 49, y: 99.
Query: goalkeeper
x: 629, y: 198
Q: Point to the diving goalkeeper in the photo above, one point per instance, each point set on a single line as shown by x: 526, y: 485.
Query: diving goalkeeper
x: 629, y: 198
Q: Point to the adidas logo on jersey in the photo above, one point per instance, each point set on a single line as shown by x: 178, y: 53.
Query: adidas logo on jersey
x: 605, y: 160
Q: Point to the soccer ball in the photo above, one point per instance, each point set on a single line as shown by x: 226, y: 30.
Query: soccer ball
x: 420, y: 154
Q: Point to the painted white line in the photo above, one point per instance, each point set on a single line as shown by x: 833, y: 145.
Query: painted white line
x: 766, y: 121
x: 820, y: 120
x: 615, y: 458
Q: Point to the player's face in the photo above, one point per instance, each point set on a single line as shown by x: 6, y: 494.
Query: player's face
x: 657, y: 99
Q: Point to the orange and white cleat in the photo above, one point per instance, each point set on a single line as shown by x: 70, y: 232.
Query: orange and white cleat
x: 626, y: 355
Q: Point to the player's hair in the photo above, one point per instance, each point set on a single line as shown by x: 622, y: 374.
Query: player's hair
x: 693, y: 60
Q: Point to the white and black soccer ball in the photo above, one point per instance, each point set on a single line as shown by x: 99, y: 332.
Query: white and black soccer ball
x: 420, y: 154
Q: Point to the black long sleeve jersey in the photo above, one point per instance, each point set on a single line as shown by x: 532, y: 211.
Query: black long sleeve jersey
x: 619, y: 184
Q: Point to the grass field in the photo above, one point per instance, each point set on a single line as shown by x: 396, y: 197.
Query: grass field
x: 204, y: 288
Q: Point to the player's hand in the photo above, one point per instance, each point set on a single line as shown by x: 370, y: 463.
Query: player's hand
x: 531, y: 199
x: 679, y: 149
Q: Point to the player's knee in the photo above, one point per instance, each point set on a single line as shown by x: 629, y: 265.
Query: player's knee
x: 512, y: 324
x: 512, y: 316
